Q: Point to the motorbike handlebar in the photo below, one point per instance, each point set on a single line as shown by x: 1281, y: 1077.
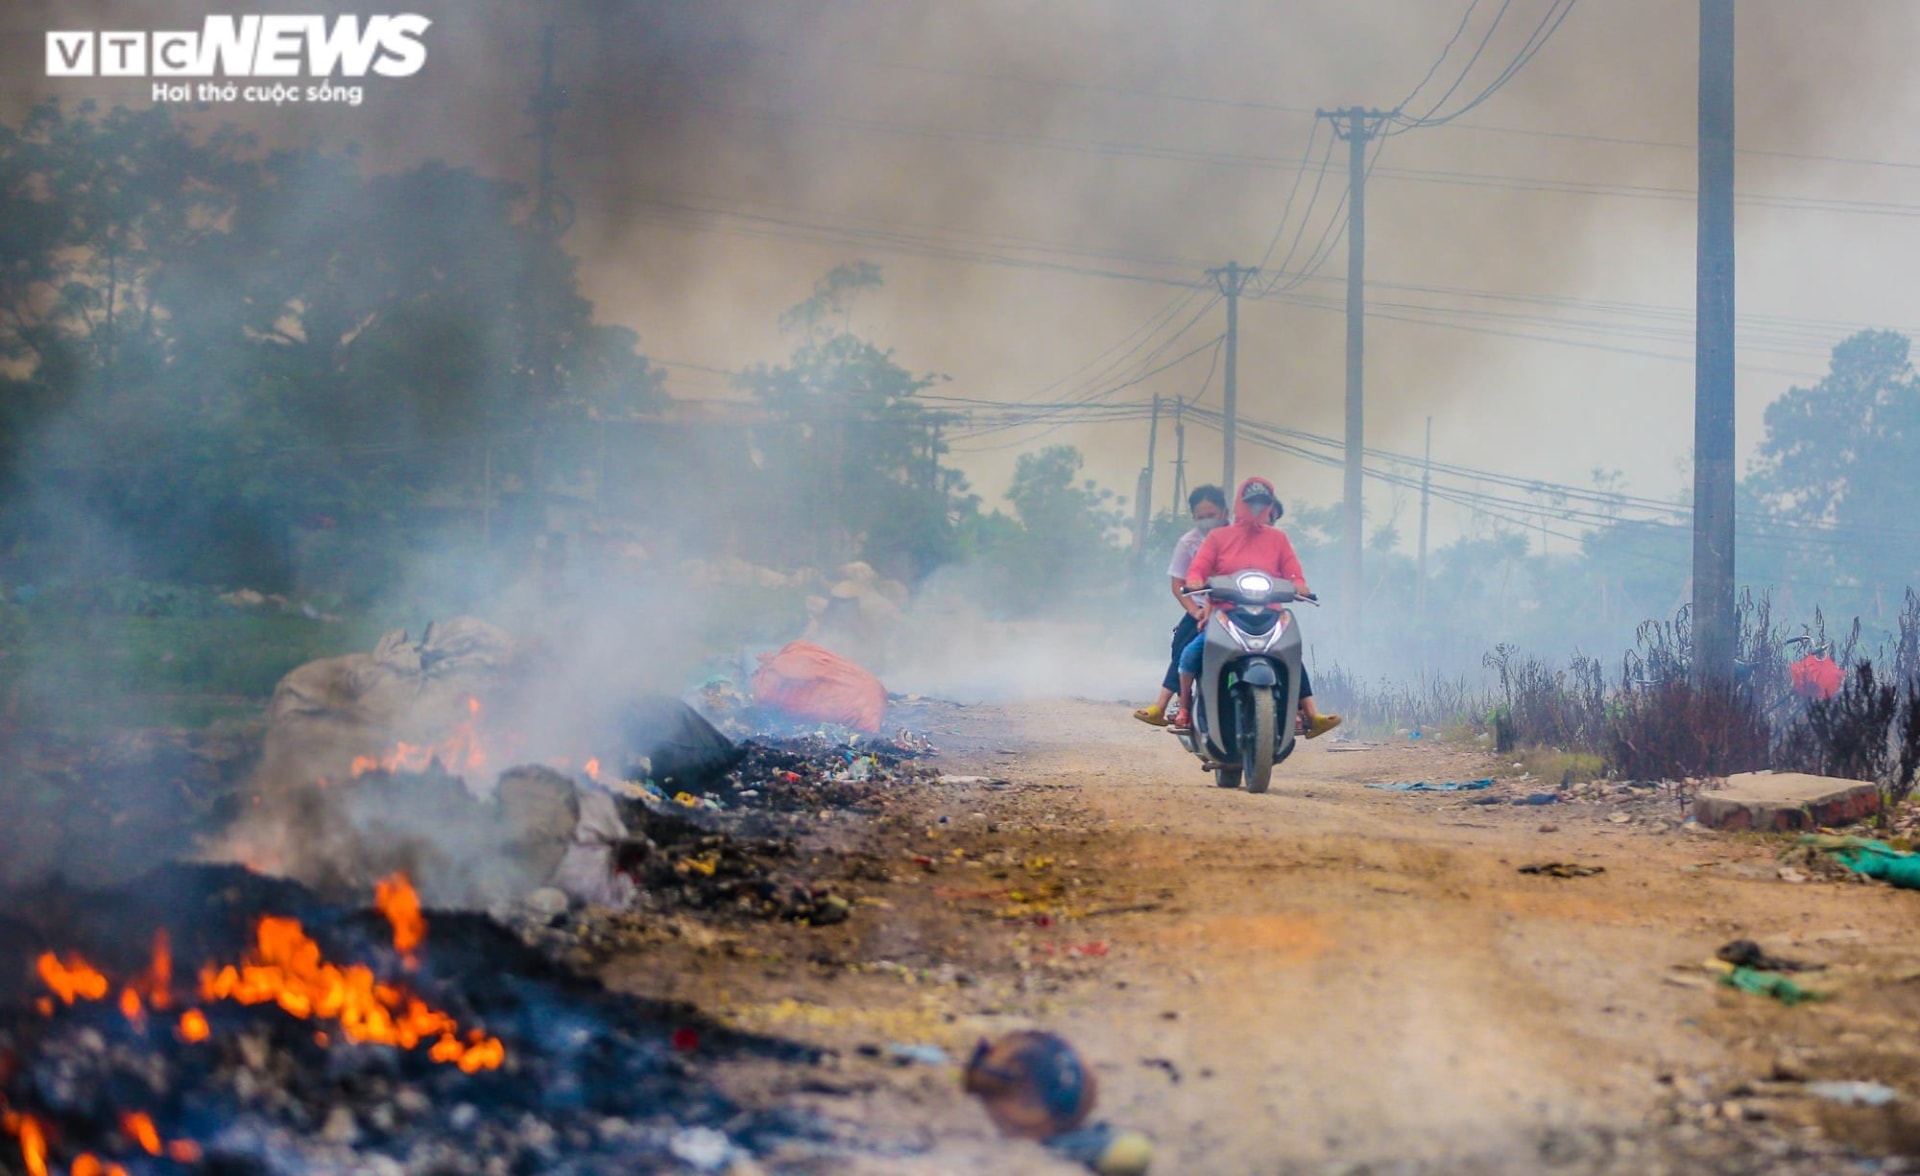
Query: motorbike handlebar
x: 1310, y: 598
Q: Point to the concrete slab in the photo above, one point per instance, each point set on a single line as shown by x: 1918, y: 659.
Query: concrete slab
x: 1780, y: 802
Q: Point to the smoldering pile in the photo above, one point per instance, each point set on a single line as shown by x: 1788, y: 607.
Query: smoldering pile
x: 209, y: 1019
x: 390, y: 761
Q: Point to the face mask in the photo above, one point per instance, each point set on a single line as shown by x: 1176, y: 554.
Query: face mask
x: 1205, y: 525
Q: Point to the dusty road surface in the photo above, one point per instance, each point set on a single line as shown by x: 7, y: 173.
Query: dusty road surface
x: 1325, y: 978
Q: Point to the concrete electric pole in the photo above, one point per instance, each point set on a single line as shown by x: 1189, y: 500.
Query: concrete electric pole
x: 1715, y: 624
x: 1358, y: 127
x: 1231, y: 279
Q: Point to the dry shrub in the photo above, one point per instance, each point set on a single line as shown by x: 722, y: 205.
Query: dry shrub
x: 1430, y: 704
x: 1868, y: 731
x: 1662, y: 726
x: 1543, y: 706
x: 1674, y: 729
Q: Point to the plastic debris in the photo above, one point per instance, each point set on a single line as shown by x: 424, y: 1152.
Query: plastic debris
x: 1106, y: 1149
x: 1874, y: 859
x: 925, y: 1055
x: 1854, y: 1094
x: 1817, y: 676
x: 1771, y: 984
x: 702, y: 1148
x: 1745, y: 953
x: 809, y: 682
x: 1424, y: 786
x: 1033, y: 1084
x: 1562, y: 870
x: 1539, y: 798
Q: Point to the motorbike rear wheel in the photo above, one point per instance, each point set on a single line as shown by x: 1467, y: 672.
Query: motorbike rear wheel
x: 1258, y: 735
x: 1226, y: 777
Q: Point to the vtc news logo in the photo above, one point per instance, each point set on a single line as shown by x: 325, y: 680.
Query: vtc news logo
x: 247, y: 47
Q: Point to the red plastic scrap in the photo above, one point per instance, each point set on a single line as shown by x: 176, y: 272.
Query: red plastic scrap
x: 812, y: 683
x: 1817, y: 677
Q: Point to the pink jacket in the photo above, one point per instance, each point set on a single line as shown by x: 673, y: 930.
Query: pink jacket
x: 1248, y: 544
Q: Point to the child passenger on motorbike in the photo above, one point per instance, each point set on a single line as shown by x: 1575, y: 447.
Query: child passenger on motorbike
x: 1208, y: 506
x: 1252, y: 543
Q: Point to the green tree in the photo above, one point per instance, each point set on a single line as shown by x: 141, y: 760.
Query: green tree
x: 858, y: 470
x: 1845, y: 455
x: 204, y: 344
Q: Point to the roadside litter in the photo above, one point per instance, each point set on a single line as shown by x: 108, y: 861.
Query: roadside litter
x: 1424, y: 786
x: 1539, y: 798
x: 1745, y: 953
x: 1106, y: 1149
x: 1771, y: 984
x: 925, y: 1055
x: 1562, y: 870
x: 1854, y: 1094
x: 1034, y: 1086
x: 1873, y: 859
x: 808, y: 682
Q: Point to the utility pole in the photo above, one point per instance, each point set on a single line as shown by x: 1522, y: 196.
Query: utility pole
x: 1179, y: 453
x: 1714, y: 620
x: 1426, y: 489
x: 1232, y: 279
x: 1143, y: 505
x: 1358, y: 127
x: 552, y: 217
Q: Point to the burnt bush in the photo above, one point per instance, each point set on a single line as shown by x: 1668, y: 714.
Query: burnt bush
x: 1673, y: 729
x: 1868, y: 731
x: 1543, y: 706
x: 1663, y: 725
x: 1382, y: 707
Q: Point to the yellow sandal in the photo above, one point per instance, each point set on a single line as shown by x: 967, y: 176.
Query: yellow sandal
x: 1152, y: 716
x: 1322, y: 725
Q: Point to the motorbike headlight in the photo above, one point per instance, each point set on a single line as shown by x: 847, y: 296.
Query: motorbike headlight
x: 1254, y: 585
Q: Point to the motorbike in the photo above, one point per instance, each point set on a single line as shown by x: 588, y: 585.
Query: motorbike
x: 1248, y: 689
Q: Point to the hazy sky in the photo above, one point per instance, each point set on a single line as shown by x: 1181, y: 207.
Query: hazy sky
x: 1035, y: 179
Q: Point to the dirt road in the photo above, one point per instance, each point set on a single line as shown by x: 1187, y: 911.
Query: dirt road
x: 1325, y: 978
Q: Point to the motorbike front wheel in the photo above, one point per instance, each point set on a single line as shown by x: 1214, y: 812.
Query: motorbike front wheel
x: 1258, y: 736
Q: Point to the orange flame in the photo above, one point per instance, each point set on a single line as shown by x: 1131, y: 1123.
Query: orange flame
x: 139, y: 1128
x: 73, y: 980
x: 131, y: 1007
x: 158, y: 982
x: 593, y: 770
x: 396, y: 898
x: 460, y: 750
x: 193, y: 1026
x: 33, y: 1140
x: 88, y: 1164
x: 287, y: 969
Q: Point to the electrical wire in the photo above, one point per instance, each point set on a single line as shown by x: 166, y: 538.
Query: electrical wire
x: 1550, y: 21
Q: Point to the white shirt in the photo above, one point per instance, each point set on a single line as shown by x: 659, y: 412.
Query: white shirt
x: 1184, y: 551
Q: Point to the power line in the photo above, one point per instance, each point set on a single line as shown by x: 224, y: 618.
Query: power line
x: 1467, y: 69
x: 1445, y: 50
x: 1491, y: 181
x: 1550, y: 22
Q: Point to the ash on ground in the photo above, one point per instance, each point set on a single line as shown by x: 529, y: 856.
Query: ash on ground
x: 589, y: 1082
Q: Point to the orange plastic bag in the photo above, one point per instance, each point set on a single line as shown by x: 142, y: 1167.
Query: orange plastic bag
x: 1816, y: 677
x: 809, y: 682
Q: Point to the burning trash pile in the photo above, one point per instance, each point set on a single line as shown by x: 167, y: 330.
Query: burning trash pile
x: 391, y: 762
x: 206, y: 1018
